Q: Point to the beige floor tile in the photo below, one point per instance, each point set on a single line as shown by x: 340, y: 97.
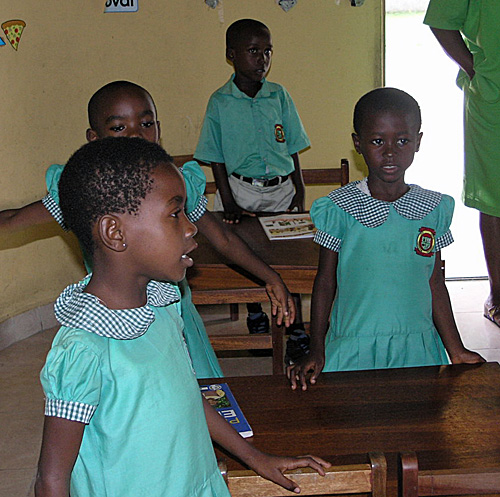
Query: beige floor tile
x: 477, y: 332
x: 468, y: 295
x: 21, y: 435
x: 20, y: 365
x: 19, y: 327
x: 491, y: 355
x: 21, y: 413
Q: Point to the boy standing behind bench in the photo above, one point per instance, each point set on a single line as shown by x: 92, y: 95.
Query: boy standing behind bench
x: 252, y: 135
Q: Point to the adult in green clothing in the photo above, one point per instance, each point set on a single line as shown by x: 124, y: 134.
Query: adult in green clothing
x: 468, y: 32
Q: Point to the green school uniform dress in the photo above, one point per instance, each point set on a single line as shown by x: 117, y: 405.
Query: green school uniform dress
x: 203, y: 356
x: 382, y: 314
x: 478, y: 21
x: 126, y: 374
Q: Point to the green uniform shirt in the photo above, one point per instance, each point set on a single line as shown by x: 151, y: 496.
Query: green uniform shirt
x: 254, y: 137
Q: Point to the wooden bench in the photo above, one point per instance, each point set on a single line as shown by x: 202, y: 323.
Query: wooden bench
x: 339, y: 480
x: 272, y: 340
x: 474, y: 481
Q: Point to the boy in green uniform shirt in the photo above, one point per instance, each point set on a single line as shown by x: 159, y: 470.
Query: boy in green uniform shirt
x: 252, y: 135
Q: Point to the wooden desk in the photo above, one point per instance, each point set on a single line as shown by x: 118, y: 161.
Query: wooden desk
x: 295, y: 260
x: 449, y: 415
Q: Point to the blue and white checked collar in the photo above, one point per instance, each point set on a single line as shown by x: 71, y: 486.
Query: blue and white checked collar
x: 77, y: 309
x: 371, y: 212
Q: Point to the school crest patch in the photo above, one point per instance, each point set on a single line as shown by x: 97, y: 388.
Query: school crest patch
x: 279, y: 133
x: 426, y: 241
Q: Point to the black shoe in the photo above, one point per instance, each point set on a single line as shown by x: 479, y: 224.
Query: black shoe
x: 297, y: 346
x: 258, y: 323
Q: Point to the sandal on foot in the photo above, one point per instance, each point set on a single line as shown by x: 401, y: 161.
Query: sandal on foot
x: 492, y: 313
x: 297, y: 346
x: 258, y: 323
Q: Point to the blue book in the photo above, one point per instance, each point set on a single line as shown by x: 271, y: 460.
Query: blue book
x: 219, y: 396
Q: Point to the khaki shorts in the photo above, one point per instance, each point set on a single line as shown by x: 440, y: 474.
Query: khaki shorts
x: 251, y: 198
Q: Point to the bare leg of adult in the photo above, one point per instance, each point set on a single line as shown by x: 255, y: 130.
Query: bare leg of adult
x: 490, y: 232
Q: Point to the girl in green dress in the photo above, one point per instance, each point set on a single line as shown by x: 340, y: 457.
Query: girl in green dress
x: 380, y: 261
x: 124, y: 414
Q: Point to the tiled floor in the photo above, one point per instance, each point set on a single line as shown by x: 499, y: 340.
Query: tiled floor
x: 21, y: 402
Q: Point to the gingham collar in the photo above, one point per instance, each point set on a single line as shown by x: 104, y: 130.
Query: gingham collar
x: 370, y: 212
x: 78, y: 309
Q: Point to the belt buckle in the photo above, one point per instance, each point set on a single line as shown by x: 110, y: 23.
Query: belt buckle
x: 258, y: 182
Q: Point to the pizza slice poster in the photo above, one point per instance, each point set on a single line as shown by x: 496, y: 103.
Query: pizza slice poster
x: 13, y: 30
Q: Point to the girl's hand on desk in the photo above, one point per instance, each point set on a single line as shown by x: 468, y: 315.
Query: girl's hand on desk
x: 466, y: 357
x: 312, y: 364
x: 273, y: 467
x: 282, y: 303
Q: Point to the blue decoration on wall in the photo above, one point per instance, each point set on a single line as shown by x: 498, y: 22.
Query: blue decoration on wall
x: 121, y: 6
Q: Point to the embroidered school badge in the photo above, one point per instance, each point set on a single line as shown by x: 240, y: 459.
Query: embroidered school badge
x: 426, y: 240
x: 279, y: 133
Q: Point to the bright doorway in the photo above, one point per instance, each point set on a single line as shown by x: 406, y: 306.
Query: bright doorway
x: 416, y: 63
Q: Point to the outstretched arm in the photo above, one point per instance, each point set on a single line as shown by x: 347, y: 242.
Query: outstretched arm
x: 12, y: 220
x: 237, y: 251
x: 266, y: 465
x: 300, y: 189
x: 324, y: 290
x: 61, y: 442
x: 232, y: 211
x: 444, y: 321
x: 453, y: 44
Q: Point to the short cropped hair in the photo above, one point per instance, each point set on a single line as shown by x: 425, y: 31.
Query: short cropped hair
x: 108, y: 176
x: 383, y: 100
x: 95, y: 102
x: 242, y: 27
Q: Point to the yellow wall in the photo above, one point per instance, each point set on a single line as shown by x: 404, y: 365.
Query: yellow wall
x: 325, y: 54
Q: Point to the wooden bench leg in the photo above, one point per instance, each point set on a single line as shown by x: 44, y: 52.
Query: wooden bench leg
x: 277, y: 334
x: 234, y: 312
x: 408, y: 474
x: 379, y: 474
